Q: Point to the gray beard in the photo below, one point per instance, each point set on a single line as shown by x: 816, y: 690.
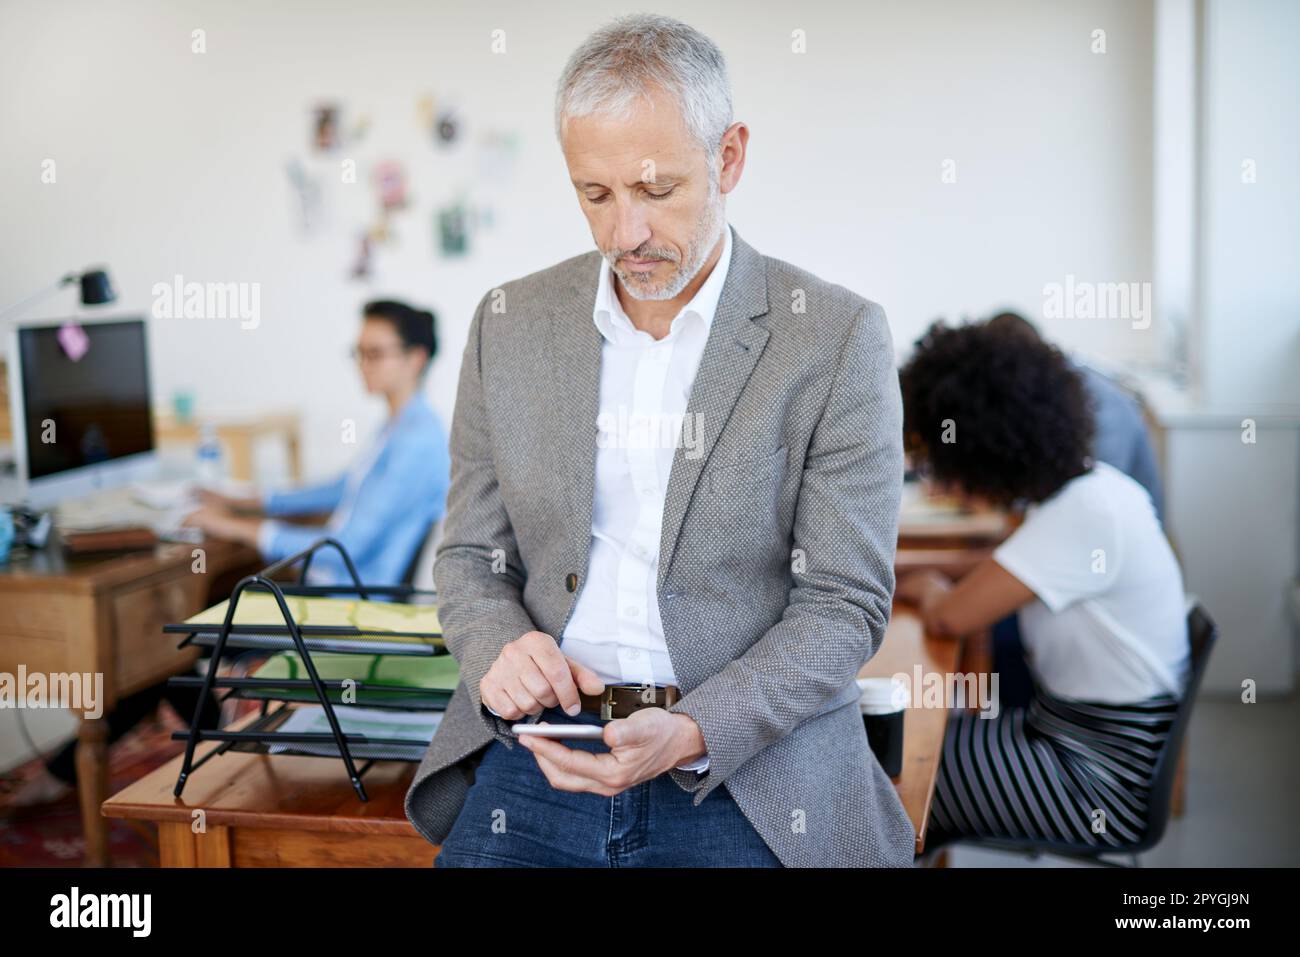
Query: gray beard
x: 706, y: 235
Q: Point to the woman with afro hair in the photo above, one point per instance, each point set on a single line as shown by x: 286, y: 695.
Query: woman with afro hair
x: 1001, y: 419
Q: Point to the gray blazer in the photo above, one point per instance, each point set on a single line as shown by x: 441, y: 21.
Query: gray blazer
x: 776, y: 559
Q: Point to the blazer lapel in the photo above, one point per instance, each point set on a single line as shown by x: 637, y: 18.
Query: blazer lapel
x: 575, y: 345
x: 730, y: 354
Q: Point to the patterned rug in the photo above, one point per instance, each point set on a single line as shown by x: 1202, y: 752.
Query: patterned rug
x: 51, y: 835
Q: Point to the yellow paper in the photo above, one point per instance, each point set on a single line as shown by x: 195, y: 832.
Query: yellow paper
x: 372, y: 617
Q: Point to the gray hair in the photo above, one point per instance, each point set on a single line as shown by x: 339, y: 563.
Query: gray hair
x: 625, y: 59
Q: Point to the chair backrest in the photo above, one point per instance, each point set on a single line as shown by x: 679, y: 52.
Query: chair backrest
x: 429, y: 539
x: 1201, y: 636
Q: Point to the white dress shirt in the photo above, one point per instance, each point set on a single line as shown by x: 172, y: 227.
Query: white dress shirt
x: 615, y: 629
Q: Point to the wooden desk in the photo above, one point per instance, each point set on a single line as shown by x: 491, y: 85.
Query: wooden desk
x: 105, y: 615
x: 975, y: 528
x: 238, y: 436
x: 934, y: 536
x: 268, y: 811
x: 906, y: 645
x: 953, y: 562
x: 925, y: 522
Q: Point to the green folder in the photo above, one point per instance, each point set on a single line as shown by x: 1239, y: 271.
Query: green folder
x: 418, y: 683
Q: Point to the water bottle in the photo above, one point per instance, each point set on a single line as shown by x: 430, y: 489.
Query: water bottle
x: 210, y: 467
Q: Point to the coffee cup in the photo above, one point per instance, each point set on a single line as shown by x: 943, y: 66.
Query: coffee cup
x: 883, y: 704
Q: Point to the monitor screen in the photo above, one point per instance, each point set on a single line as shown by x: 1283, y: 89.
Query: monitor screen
x: 85, y: 394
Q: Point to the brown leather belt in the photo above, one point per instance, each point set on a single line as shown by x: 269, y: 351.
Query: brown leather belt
x: 621, y: 701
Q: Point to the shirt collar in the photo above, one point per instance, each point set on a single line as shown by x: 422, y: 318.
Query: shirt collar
x: 613, y: 322
x: 408, y: 412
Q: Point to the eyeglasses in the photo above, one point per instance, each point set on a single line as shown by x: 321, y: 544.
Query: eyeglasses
x: 374, y: 355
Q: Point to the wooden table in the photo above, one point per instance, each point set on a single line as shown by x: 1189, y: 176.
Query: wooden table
x: 105, y: 615
x: 906, y: 645
x: 953, y: 562
x: 264, y: 810
x: 238, y: 436
x: 916, y: 530
x: 279, y: 811
x: 934, y: 535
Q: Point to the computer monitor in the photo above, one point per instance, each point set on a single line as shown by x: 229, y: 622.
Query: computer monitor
x: 80, y: 407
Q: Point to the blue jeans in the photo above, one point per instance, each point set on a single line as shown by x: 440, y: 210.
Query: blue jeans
x: 512, y: 817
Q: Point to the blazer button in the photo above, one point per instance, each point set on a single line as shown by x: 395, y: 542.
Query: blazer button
x: 571, y: 582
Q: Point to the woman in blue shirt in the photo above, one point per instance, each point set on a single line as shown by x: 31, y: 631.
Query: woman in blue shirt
x: 383, y: 507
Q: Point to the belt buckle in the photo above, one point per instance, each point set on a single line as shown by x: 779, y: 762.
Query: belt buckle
x: 607, y: 697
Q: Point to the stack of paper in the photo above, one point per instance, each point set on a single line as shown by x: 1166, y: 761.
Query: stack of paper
x: 415, y: 727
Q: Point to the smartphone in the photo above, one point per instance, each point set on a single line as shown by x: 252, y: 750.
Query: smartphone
x: 591, y: 732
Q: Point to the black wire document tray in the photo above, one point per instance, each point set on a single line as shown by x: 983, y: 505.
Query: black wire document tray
x: 364, y: 700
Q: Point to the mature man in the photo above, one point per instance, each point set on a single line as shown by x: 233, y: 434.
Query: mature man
x: 676, y: 471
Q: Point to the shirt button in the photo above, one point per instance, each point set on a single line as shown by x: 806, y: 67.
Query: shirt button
x: 634, y: 654
x: 571, y: 582
x: 630, y: 611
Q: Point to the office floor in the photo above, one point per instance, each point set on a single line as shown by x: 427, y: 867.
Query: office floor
x: 1242, y: 786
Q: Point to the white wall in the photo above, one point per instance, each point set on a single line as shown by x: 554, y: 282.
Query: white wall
x: 1176, y: 159
x: 1231, y: 510
x: 1250, y: 252
x: 170, y: 162
x: 1233, y: 441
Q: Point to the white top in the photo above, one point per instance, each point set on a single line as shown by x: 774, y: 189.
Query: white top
x: 1109, y: 622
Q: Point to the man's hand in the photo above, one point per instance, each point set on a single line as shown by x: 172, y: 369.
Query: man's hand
x: 644, y: 746
x: 532, y: 674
